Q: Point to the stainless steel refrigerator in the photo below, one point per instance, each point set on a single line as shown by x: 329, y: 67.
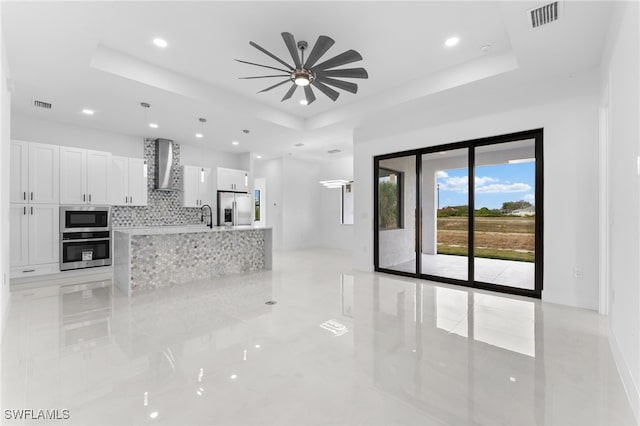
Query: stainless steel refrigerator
x: 234, y: 208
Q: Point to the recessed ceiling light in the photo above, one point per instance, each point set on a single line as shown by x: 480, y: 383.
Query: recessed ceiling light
x: 451, y: 41
x: 153, y: 125
x: 233, y: 376
x: 304, y: 102
x: 258, y: 156
x: 235, y: 143
x: 88, y: 111
x: 160, y: 42
x: 153, y: 415
x: 199, y: 135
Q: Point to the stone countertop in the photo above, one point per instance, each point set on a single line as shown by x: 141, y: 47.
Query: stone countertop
x: 184, y: 229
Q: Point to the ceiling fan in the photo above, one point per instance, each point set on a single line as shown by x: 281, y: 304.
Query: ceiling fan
x: 307, y: 73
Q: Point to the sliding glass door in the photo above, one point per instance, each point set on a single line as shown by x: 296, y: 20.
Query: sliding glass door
x: 445, y: 214
x: 505, y: 214
x: 468, y: 213
x: 396, y: 195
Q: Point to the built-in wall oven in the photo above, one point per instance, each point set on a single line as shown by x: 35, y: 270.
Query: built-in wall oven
x: 85, y: 237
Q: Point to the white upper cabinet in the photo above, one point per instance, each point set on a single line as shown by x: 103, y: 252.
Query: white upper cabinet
x: 119, y: 181
x: 138, y: 188
x: 19, y: 175
x: 128, y: 182
x: 73, y: 175
x: 195, y: 186
x: 35, y: 173
x: 98, y: 177
x: 233, y: 180
x: 85, y: 176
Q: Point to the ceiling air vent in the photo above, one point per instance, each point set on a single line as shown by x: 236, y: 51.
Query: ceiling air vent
x: 544, y: 14
x: 40, y: 104
x: 334, y: 151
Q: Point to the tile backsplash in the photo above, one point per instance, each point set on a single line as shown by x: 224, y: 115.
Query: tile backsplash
x: 163, y: 207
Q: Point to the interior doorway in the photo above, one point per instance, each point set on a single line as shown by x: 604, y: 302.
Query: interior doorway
x: 468, y: 213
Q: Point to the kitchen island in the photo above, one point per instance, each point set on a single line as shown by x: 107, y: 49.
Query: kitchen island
x: 148, y: 258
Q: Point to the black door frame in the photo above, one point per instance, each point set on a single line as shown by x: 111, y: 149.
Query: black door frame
x: 470, y: 145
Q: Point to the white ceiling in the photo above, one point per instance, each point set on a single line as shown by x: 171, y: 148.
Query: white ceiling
x: 100, y: 55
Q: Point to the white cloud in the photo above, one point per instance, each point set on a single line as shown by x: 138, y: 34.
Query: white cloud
x: 530, y: 198
x: 441, y: 174
x: 503, y: 188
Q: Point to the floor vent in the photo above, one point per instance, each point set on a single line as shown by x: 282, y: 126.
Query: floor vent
x: 334, y: 151
x: 40, y: 104
x: 544, y: 14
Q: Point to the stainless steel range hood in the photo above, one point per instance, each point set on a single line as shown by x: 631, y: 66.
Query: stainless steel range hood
x: 164, y: 165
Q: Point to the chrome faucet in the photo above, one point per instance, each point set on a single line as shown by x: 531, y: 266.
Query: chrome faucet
x: 210, y: 215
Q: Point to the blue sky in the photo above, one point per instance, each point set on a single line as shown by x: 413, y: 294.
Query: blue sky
x: 494, y: 185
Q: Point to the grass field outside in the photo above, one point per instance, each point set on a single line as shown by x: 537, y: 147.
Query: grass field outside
x: 507, y: 238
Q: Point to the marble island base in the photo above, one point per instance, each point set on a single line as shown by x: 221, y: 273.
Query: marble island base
x: 148, y: 258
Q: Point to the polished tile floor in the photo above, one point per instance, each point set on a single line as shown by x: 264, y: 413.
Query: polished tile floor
x: 338, y: 347
x: 494, y: 271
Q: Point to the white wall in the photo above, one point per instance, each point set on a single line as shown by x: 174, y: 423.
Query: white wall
x: 5, y: 155
x: 271, y: 171
x: 301, y: 203
x: 333, y: 234
x: 621, y: 73
x: 567, y: 109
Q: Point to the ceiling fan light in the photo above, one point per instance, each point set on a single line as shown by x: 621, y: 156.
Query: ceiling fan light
x: 302, y: 80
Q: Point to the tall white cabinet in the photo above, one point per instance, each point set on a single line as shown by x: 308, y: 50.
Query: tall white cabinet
x: 34, y: 211
x: 195, y: 186
x: 85, y: 176
x: 128, y: 182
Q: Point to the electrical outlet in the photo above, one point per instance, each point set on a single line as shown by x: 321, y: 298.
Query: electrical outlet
x: 577, y: 273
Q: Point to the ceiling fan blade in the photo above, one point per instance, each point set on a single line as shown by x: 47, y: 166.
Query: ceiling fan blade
x: 263, y: 76
x: 274, y: 86
x: 345, y: 73
x: 326, y: 90
x: 289, y: 92
x: 344, y: 85
x: 266, y: 52
x: 263, y: 66
x: 290, y: 41
x: 308, y: 93
x: 342, y: 59
x: 320, y: 48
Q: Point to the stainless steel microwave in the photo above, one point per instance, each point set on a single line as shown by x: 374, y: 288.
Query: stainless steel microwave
x: 85, y: 218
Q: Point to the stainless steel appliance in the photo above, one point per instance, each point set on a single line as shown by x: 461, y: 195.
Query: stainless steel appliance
x: 85, y: 237
x: 85, y: 218
x: 234, y: 208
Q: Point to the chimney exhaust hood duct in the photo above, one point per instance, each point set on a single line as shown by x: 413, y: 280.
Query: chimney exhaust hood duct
x: 164, y: 165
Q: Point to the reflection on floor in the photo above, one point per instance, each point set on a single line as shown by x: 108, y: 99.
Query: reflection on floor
x: 338, y: 347
x: 495, y: 271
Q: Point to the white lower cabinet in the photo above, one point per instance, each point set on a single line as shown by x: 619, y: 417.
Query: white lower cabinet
x: 34, y: 239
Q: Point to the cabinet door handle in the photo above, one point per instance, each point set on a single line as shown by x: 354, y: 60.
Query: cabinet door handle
x: 131, y: 200
x: 32, y: 210
x: 84, y: 197
x: 25, y: 210
x: 126, y: 199
x: 29, y: 270
x: 89, y: 197
x: 31, y: 195
x: 24, y: 195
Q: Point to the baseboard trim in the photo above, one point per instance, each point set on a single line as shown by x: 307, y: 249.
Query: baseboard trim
x: 630, y: 386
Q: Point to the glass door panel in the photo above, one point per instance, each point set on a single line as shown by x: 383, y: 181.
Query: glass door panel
x: 396, y: 206
x: 445, y: 214
x: 505, y: 211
